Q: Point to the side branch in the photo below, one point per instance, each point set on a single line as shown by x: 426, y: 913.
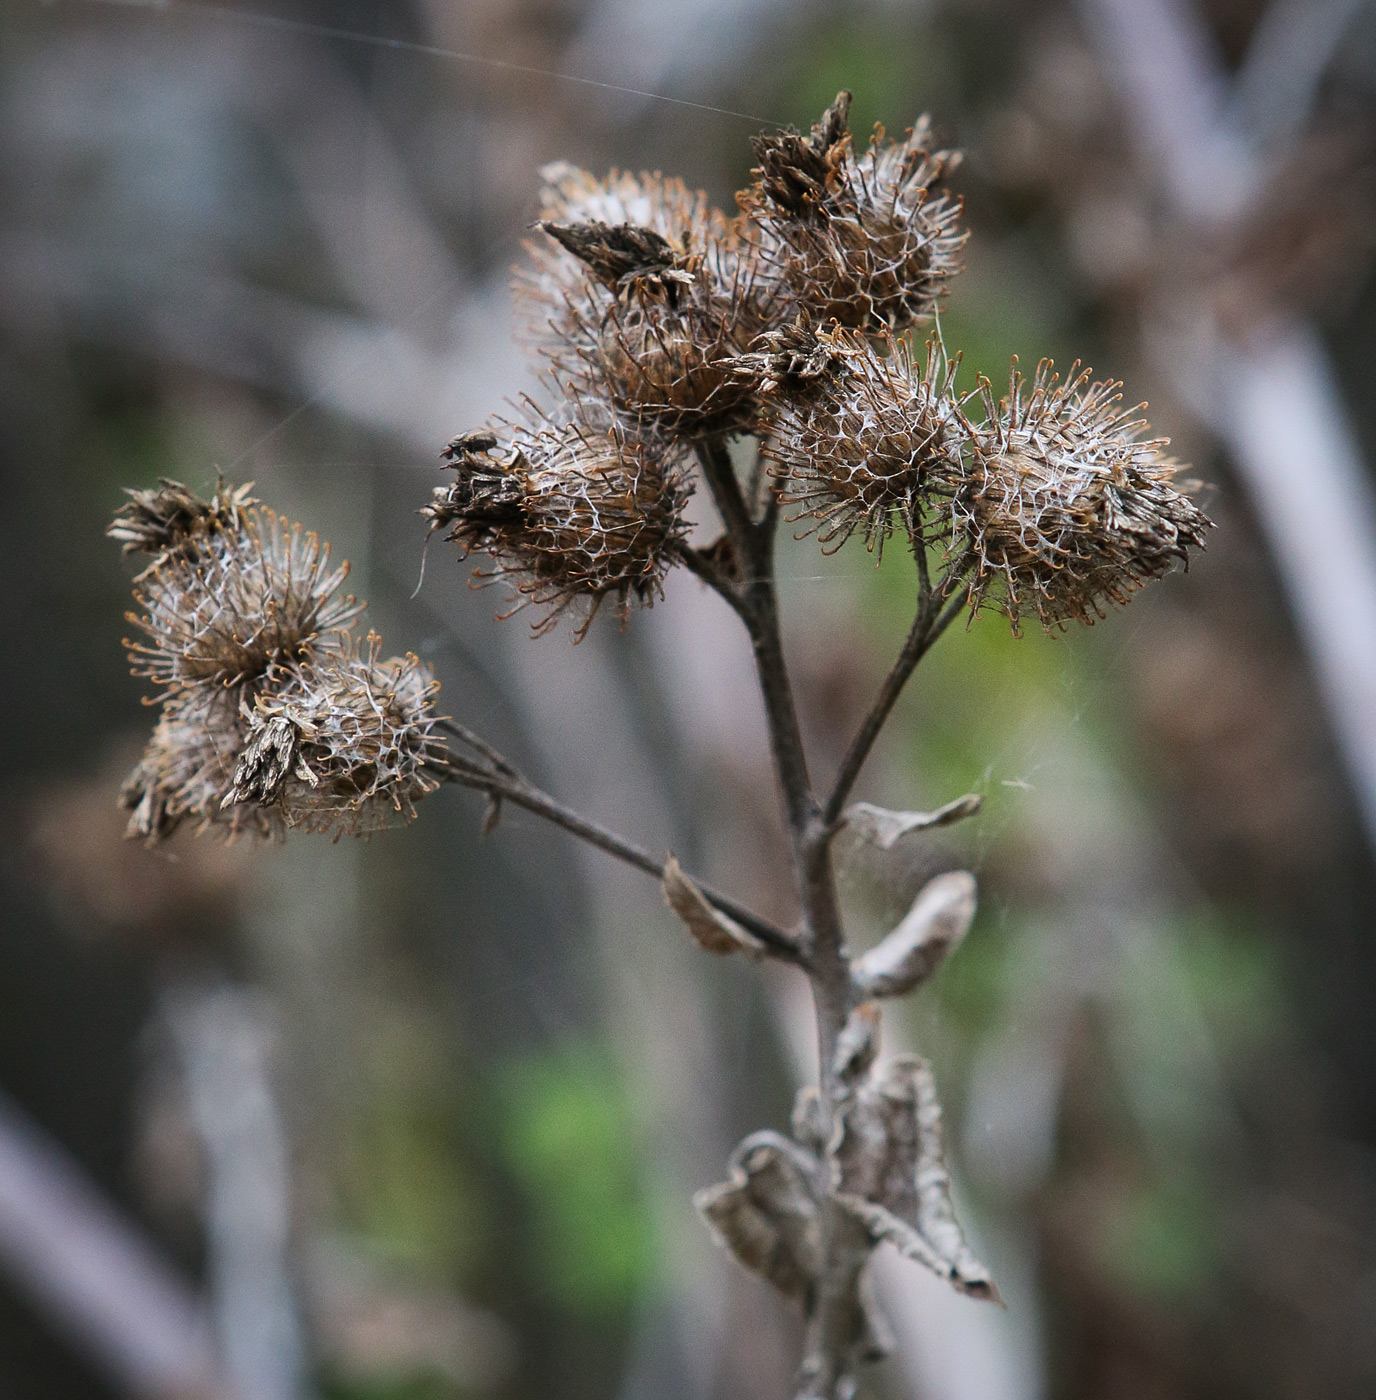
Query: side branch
x: 926, y: 628
x: 706, y: 567
x: 507, y: 785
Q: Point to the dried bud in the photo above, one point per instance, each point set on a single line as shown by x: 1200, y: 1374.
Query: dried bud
x: 649, y: 292
x: 245, y: 599
x: 171, y: 516
x: 187, y: 771
x: 930, y: 931
x: 572, y: 514
x: 866, y: 240
x: 792, y: 361
x: 346, y: 742
x: 265, y: 762
x: 870, y: 442
x: 1064, y: 508
x: 626, y: 258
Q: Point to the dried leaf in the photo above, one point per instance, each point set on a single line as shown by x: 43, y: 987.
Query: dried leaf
x: 883, y: 828
x: 964, y: 1273
x: 890, y: 1173
x: 716, y: 932
x: 930, y: 931
x: 766, y: 1212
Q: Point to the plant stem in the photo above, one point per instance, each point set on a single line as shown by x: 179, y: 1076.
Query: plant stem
x: 832, y: 1322
x: 509, y: 786
x: 922, y: 636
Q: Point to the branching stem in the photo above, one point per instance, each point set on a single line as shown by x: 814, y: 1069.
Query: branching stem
x: 927, y: 626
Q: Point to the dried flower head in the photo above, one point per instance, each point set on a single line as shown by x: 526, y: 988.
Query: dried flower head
x: 638, y: 295
x: 188, y: 769
x: 240, y: 601
x: 572, y: 514
x: 171, y: 516
x: 868, y: 240
x: 870, y: 441
x: 1066, y: 507
x: 343, y: 744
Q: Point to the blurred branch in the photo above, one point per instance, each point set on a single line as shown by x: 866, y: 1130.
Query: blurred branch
x: 221, y: 1037
x: 1274, y: 401
x: 95, y: 1275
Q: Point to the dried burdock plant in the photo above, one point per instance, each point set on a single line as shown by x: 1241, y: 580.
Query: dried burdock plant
x: 667, y: 330
x: 225, y: 600
x: 344, y: 743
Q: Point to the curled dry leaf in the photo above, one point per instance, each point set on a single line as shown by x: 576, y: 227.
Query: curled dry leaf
x: 883, y: 828
x: 766, y: 1213
x: 890, y: 1174
x: 714, y: 931
x: 939, y: 919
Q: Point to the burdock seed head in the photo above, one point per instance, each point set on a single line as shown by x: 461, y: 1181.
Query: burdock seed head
x: 1067, y: 507
x: 573, y: 514
x: 870, y: 440
x: 187, y: 771
x: 343, y: 744
x: 871, y: 240
x: 244, y: 598
x: 636, y: 297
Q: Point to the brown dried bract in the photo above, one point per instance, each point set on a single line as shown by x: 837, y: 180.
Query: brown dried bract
x: 187, y: 771
x: 171, y: 516
x: 346, y: 742
x: 628, y: 259
x: 790, y: 362
x: 243, y: 600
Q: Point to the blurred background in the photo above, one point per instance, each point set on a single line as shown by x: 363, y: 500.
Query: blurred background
x: 420, y: 1118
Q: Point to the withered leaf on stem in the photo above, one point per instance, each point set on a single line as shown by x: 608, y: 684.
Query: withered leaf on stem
x: 714, y: 931
x: 884, y: 828
x: 766, y: 1212
x: 930, y: 931
x: 890, y: 1174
